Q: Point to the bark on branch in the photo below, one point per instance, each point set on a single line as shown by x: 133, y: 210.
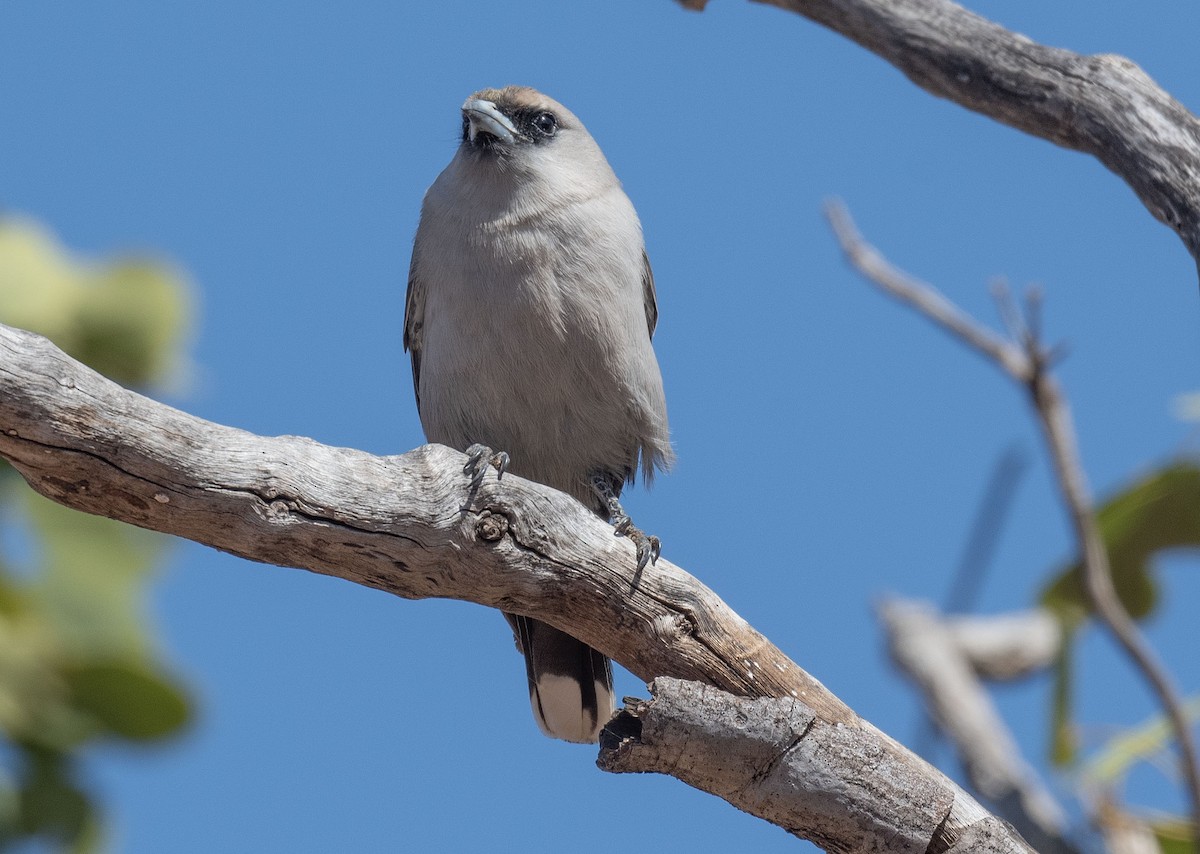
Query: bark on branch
x: 407, y: 525
x: 1103, y: 105
x: 775, y: 759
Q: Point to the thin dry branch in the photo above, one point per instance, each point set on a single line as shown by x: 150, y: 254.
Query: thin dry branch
x: 926, y: 648
x: 923, y: 297
x: 409, y: 526
x: 1103, y: 105
x: 1027, y: 362
x: 1003, y: 647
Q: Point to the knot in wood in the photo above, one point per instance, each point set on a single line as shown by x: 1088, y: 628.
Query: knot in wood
x: 491, y: 526
x: 278, y: 509
x: 674, y: 627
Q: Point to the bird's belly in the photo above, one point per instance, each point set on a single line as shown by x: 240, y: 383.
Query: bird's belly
x: 554, y: 402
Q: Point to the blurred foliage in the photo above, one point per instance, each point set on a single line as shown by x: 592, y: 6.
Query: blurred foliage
x: 1174, y: 835
x: 77, y: 658
x: 126, y: 319
x: 1144, y: 742
x: 1130, y: 833
x: 1159, y: 512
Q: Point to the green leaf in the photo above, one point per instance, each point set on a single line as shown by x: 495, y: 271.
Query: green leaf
x: 76, y: 650
x: 124, y: 318
x: 39, y: 281
x: 1109, y: 765
x: 1161, y: 511
x: 51, y: 804
x: 90, y: 575
x: 129, y: 700
x: 1174, y: 835
x: 1063, y: 742
x: 131, y: 319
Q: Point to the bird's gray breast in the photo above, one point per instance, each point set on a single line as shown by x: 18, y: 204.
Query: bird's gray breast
x: 535, y: 340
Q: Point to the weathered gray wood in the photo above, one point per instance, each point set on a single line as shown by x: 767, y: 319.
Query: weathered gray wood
x: 775, y: 759
x: 405, y: 524
x: 925, y: 649
x: 1103, y: 105
x: 1002, y: 647
x: 990, y: 836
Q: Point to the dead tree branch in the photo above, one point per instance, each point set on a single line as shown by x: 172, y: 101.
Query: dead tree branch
x: 926, y: 648
x: 407, y: 525
x: 1103, y: 105
x: 767, y: 756
x: 1027, y: 362
x: 1002, y: 647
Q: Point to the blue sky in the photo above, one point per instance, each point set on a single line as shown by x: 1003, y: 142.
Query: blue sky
x: 832, y: 447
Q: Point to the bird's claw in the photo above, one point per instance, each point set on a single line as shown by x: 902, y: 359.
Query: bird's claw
x: 479, y: 457
x: 648, y: 547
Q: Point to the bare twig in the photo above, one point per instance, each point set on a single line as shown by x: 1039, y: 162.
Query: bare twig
x: 977, y: 557
x: 923, y: 297
x: 1027, y: 362
x: 1055, y: 418
x: 1125, y: 833
x: 989, y: 522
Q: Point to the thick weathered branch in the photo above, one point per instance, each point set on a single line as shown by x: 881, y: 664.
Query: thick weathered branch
x: 1103, y: 105
x: 774, y: 758
x: 404, y: 524
x: 407, y: 525
x: 1027, y: 363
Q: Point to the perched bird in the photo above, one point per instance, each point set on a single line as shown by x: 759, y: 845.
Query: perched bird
x: 529, y: 315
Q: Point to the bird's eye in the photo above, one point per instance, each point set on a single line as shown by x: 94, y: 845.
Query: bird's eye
x: 545, y: 124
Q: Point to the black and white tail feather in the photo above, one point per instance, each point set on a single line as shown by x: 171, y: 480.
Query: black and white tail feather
x: 570, y: 684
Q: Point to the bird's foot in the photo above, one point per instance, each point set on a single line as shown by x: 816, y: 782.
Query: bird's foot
x: 648, y: 547
x: 479, y: 457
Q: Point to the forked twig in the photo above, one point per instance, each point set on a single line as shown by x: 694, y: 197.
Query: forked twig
x: 1028, y: 362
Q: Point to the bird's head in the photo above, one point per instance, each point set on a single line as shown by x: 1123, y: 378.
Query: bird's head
x: 520, y: 131
x: 502, y: 120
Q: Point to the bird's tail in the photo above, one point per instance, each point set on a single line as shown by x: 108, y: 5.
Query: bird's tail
x: 570, y: 684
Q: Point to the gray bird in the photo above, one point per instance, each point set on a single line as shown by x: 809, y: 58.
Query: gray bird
x: 529, y: 315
